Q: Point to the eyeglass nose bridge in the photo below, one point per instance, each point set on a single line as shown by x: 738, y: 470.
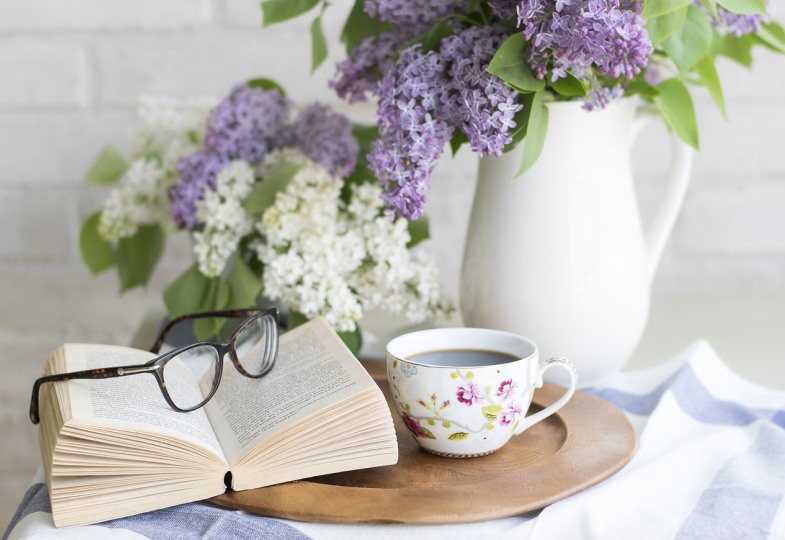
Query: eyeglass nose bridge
x: 229, y: 348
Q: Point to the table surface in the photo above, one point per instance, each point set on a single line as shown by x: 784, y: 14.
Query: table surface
x: 748, y: 333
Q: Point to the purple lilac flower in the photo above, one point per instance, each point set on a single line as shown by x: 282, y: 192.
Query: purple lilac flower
x: 477, y: 101
x: 408, y: 12
x: 653, y: 74
x: 600, y: 96
x: 740, y: 25
x: 505, y: 9
x: 240, y: 126
x: 582, y: 36
x: 412, y: 135
x: 325, y: 137
x: 195, y: 172
x: 359, y: 74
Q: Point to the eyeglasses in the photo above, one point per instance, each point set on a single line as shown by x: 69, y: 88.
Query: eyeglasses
x: 252, y: 345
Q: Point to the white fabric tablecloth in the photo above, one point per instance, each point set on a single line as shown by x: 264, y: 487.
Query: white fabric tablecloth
x: 710, y: 464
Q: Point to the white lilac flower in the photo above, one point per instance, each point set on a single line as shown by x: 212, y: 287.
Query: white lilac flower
x: 226, y: 222
x: 324, y: 257
x: 307, y: 250
x: 397, y: 279
x: 139, y: 199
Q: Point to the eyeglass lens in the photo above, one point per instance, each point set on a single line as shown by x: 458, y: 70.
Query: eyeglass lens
x: 254, y: 343
x: 183, y: 372
x: 200, y: 364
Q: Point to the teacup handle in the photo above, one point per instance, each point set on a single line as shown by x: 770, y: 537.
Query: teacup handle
x: 544, y: 366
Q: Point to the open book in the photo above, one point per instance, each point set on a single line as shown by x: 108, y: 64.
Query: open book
x: 113, y: 447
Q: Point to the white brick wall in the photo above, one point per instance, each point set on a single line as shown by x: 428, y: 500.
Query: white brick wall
x: 41, y: 73
x: 71, y: 72
x: 102, y: 15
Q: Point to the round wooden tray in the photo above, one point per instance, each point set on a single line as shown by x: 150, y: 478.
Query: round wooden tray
x: 585, y: 442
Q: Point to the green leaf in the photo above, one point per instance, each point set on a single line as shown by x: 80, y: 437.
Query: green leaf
x: 431, y: 422
x: 711, y: 80
x: 264, y: 192
x: 535, y: 133
x: 431, y: 39
x: 664, y: 26
x: 217, y: 297
x: 491, y: 412
x: 458, y: 436
x: 509, y: 64
x: 419, y: 230
x: 266, y: 84
x: 744, y: 7
x: 97, y: 253
x: 186, y: 294
x: 711, y: 6
x: 295, y: 319
x: 138, y: 255
x: 353, y: 340
x: 108, y: 167
x: 365, y: 135
x: 275, y: 11
x: 318, y: 44
x: 657, y: 8
x: 692, y: 42
x: 359, y: 26
x: 438, y: 32
x: 773, y: 36
x: 446, y: 424
x: 244, y: 285
x: 457, y: 140
x: 675, y: 104
x: 737, y: 49
x: 192, y: 292
x: 569, y: 86
x: 643, y: 89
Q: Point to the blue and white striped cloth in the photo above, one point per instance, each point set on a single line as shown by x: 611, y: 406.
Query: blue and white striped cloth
x: 710, y: 464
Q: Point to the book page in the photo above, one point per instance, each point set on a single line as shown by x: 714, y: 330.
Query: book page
x: 134, y: 401
x: 314, y: 369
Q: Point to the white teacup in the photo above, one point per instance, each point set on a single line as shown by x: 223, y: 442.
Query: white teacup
x: 464, y: 392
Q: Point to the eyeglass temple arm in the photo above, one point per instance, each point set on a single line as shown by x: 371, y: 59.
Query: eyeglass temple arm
x: 206, y: 314
x: 100, y: 373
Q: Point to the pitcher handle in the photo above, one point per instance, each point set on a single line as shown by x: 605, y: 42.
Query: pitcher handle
x: 673, y: 192
x: 545, y: 365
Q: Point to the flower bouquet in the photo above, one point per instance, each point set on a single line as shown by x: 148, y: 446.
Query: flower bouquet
x: 482, y: 71
x: 278, y: 202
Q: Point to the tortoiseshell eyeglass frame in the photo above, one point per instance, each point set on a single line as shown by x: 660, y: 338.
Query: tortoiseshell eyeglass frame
x: 156, y: 365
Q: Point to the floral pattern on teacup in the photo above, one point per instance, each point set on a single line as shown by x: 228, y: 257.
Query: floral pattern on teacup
x: 497, y: 405
x: 408, y: 369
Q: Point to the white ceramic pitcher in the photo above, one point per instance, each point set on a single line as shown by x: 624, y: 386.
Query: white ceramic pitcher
x: 559, y: 254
